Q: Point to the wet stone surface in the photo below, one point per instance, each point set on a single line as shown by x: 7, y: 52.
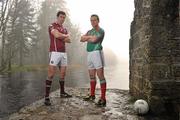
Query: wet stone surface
x: 118, y: 107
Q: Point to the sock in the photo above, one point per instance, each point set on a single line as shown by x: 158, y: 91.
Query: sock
x: 48, y: 87
x: 93, y: 86
x: 103, y: 89
x: 61, y: 83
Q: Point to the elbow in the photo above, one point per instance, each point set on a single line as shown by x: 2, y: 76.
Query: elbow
x: 82, y: 40
x: 56, y: 36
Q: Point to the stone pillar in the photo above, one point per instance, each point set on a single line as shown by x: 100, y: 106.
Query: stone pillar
x: 155, y: 53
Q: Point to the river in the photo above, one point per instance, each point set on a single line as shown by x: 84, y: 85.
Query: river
x: 22, y: 88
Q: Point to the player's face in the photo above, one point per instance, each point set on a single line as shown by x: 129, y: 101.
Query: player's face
x: 61, y: 18
x: 94, y: 21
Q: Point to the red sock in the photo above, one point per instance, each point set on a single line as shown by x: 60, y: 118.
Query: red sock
x: 103, y: 89
x: 93, y: 87
x: 48, y: 87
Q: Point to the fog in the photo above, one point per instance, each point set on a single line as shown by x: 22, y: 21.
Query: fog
x: 24, y: 40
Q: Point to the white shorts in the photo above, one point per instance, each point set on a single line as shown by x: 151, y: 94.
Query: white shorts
x: 58, y: 59
x: 95, y: 59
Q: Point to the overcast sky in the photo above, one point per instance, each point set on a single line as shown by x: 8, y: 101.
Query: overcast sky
x: 115, y: 17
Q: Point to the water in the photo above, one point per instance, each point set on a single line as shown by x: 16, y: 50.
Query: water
x: 18, y: 90
x: 118, y: 76
x: 23, y: 88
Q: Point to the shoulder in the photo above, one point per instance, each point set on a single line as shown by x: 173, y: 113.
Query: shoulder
x: 89, y: 31
x: 54, y: 24
x: 102, y: 30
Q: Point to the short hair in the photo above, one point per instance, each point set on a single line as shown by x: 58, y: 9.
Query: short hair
x: 60, y: 13
x: 95, y: 15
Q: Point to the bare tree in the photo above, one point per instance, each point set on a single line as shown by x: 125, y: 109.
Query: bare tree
x: 22, y: 34
x: 6, y: 6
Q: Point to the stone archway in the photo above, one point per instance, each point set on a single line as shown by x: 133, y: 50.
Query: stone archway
x: 155, y: 54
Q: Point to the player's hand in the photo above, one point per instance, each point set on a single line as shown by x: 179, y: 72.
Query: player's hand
x: 67, y: 40
x: 84, y: 38
x: 66, y: 35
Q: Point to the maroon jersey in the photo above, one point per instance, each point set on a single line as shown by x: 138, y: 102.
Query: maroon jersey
x: 57, y: 44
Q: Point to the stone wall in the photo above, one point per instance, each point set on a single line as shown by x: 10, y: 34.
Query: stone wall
x: 155, y: 54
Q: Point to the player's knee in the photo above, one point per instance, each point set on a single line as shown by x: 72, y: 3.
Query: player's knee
x: 62, y: 75
x: 101, y: 77
x: 61, y: 79
x: 51, y: 73
x: 50, y: 77
x: 92, y: 76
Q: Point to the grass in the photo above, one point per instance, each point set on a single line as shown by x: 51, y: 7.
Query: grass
x: 29, y: 68
x: 25, y: 68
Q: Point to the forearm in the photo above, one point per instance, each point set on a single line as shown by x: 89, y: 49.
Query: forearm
x: 67, y: 40
x: 57, y: 34
x: 60, y: 35
x: 84, y: 38
x: 92, y: 39
x: 88, y: 38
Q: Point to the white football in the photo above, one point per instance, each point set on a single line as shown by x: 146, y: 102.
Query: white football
x: 141, y: 107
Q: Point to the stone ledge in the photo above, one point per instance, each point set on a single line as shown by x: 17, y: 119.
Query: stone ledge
x: 119, y: 107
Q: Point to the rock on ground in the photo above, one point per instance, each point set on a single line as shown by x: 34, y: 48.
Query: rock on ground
x: 119, y: 107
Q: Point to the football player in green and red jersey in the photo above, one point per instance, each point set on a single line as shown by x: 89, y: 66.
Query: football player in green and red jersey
x: 94, y: 39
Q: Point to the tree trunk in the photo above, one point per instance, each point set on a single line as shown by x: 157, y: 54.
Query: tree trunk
x: 21, y: 55
x: 3, y: 50
x: 3, y: 25
x: 9, y: 65
x: 9, y: 58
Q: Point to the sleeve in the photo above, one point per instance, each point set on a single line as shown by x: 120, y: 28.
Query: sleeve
x: 88, y: 33
x: 100, y: 36
x: 65, y: 31
x: 51, y: 27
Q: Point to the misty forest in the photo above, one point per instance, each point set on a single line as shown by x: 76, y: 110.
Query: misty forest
x: 24, y: 39
x: 24, y: 54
